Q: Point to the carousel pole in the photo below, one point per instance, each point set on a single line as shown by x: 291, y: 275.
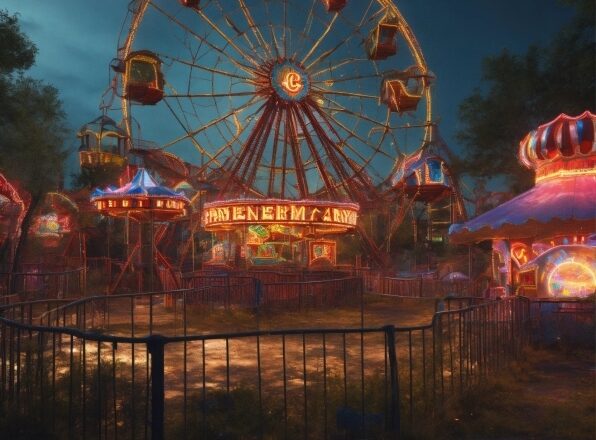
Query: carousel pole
x: 140, y: 278
x: 109, y: 255
x: 192, y: 244
x: 152, y: 255
x: 83, y: 260
x: 153, y: 267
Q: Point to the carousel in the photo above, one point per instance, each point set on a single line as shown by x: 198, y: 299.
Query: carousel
x: 149, y: 206
x: 544, y: 239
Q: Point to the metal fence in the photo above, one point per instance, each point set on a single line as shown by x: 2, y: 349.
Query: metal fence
x: 564, y: 322
x: 40, y: 283
x: 418, y: 287
x: 243, y: 290
x: 97, y: 368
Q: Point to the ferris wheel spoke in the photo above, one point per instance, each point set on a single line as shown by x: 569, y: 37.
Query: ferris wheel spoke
x: 240, y: 130
x: 270, y: 121
x: 284, y: 157
x: 256, y: 147
x: 312, y: 110
x: 214, y: 122
x: 320, y: 39
x: 315, y: 154
x: 349, y: 78
x: 201, y: 39
x: 194, y: 65
x: 274, y: 39
x: 352, y: 134
x: 365, y: 163
x: 251, y: 146
x: 271, y: 184
x: 342, y: 109
x: 344, y: 93
x: 284, y: 36
x: 226, y: 37
x: 210, y: 95
x: 333, y: 67
x: 356, y: 30
x: 305, y: 31
x: 182, y: 111
x: 238, y: 31
x: 190, y: 136
x: 253, y: 27
x: 291, y: 136
x: 334, y: 153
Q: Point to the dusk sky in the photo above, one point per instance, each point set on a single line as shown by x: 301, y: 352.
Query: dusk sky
x: 77, y: 40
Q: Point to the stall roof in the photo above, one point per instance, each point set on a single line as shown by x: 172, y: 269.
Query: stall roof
x: 556, y: 206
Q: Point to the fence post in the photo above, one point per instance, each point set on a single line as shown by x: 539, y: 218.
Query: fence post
x: 155, y: 345
x: 227, y: 300
x: 394, y: 413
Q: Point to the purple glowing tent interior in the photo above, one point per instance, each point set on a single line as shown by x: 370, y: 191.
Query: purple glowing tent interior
x: 555, y: 206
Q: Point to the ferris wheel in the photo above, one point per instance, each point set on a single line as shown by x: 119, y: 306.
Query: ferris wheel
x: 287, y: 99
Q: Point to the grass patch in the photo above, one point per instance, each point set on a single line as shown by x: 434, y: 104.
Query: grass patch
x: 550, y: 394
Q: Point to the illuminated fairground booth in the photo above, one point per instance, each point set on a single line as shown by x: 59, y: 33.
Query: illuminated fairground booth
x: 543, y: 240
x: 273, y: 232
x: 55, y: 229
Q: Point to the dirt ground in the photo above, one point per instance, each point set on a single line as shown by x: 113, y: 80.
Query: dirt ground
x: 549, y: 394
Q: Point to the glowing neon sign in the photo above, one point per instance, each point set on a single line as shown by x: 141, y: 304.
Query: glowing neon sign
x: 520, y: 253
x: 292, y: 81
x: 230, y: 213
x: 289, y: 81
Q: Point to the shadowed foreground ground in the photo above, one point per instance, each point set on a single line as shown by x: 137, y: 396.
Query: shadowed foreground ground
x: 549, y: 395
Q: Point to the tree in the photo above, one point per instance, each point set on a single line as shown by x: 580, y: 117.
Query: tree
x: 100, y: 176
x: 17, y: 52
x: 521, y: 92
x: 32, y: 124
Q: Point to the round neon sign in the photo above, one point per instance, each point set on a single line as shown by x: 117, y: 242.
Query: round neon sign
x: 289, y: 81
x: 571, y: 279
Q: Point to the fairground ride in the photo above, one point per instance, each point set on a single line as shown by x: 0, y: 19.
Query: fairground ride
x: 297, y: 111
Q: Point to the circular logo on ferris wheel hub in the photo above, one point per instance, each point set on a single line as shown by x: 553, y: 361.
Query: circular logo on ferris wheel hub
x: 292, y: 81
x: 289, y: 81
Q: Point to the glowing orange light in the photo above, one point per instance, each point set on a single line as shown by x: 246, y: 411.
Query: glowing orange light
x: 292, y: 82
x: 520, y: 253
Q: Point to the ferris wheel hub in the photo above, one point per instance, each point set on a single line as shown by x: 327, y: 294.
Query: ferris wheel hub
x: 289, y: 81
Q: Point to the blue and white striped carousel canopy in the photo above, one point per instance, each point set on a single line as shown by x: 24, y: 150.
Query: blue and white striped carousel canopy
x: 142, y: 184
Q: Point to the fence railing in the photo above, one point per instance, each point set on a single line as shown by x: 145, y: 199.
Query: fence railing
x: 566, y: 322
x: 249, y: 291
x: 420, y: 287
x: 40, y: 284
x: 277, y: 276
x: 94, y: 368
